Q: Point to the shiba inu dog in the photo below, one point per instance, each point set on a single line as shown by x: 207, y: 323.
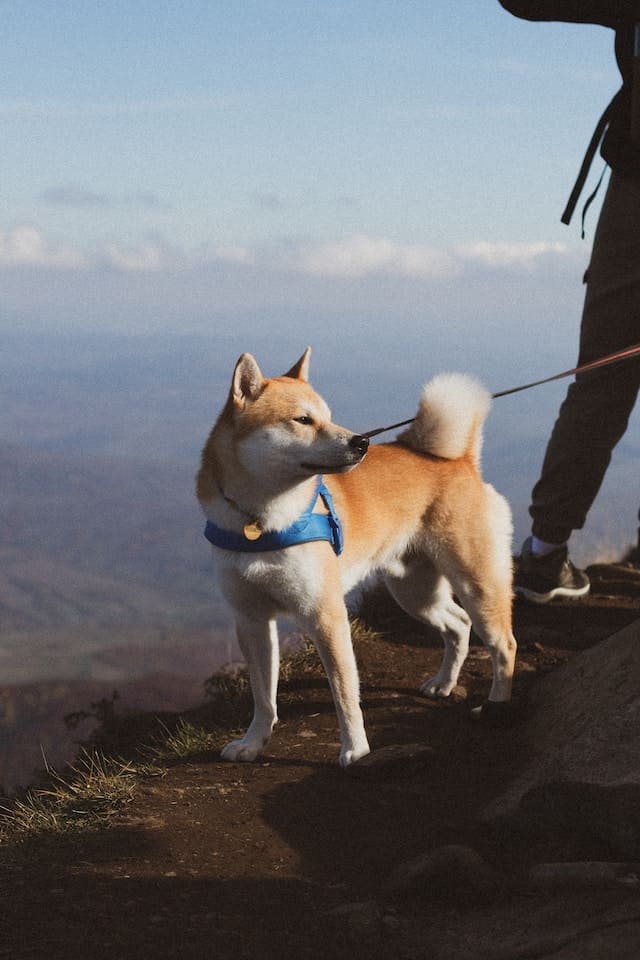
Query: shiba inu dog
x: 300, y: 511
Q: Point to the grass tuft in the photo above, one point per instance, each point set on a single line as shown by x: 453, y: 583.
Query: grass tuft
x: 188, y: 740
x: 299, y: 662
x: 228, y: 685
x: 361, y: 630
x: 86, y: 797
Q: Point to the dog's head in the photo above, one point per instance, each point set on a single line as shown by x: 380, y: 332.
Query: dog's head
x: 281, y: 425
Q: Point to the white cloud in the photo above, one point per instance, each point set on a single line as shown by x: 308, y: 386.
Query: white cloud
x: 149, y: 258
x: 25, y: 246
x: 364, y: 256
x: 519, y: 254
x: 360, y: 255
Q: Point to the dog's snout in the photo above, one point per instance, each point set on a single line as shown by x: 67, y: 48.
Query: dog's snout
x: 359, y: 444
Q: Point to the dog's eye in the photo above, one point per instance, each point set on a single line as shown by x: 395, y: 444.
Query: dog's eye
x: 307, y: 421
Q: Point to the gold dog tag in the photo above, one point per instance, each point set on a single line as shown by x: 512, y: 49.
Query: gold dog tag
x: 252, y: 531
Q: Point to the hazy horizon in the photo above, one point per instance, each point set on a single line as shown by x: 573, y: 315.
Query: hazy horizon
x: 148, y: 398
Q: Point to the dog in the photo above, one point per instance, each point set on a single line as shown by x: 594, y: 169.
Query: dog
x: 415, y: 511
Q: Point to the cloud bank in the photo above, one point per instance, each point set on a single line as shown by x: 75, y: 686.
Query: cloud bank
x: 353, y: 257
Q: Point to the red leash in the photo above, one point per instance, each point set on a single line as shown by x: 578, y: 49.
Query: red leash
x: 627, y: 354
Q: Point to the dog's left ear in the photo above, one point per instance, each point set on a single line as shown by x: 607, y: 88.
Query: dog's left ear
x: 247, y: 380
x: 300, y: 370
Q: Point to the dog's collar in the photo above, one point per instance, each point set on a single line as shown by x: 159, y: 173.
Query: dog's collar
x: 308, y: 527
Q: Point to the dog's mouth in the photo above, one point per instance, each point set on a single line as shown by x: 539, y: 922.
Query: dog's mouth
x: 343, y: 467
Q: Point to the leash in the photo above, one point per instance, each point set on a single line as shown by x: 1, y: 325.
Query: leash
x: 627, y: 354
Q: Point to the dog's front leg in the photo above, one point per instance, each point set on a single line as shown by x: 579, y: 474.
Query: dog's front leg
x: 258, y: 641
x: 329, y: 628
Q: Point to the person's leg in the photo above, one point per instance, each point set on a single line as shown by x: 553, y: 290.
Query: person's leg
x: 596, y: 410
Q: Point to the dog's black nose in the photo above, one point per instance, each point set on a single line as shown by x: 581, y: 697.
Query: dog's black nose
x: 359, y: 444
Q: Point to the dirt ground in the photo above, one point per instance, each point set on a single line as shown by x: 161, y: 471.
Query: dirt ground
x: 293, y: 857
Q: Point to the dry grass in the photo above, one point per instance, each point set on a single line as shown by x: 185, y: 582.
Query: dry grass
x: 96, y: 787
x: 188, y: 740
x: 93, y: 789
x: 299, y: 662
x: 228, y: 685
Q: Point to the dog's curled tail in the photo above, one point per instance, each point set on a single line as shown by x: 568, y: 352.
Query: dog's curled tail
x: 449, y: 421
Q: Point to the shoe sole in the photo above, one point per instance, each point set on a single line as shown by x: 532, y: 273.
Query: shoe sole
x: 565, y: 592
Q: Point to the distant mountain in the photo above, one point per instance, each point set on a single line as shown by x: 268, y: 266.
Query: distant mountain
x: 97, y: 544
x: 94, y: 539
x: 105, y: 584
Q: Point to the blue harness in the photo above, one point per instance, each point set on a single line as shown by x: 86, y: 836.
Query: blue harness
x: 309, y: 526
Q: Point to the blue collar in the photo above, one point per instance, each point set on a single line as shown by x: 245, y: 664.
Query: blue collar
x: 309, y: 526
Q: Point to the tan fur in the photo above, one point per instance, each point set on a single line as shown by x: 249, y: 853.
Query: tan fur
x: 415, y: 511
x: 449, y: 421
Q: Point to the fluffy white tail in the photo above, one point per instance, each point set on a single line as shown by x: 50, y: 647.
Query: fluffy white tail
x: 448, y: 424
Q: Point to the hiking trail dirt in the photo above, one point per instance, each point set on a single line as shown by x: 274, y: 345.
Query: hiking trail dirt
x: 291, y: 856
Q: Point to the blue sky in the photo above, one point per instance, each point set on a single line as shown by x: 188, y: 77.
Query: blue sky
x: 331, y: 139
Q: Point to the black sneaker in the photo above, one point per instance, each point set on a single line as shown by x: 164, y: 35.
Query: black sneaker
x: 632, y: 558
x: 540, y: 579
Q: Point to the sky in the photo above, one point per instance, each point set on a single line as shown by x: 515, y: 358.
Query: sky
x: 386, y: 138
x: 383, y: 179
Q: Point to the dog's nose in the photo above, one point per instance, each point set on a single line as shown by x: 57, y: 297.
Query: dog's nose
x: 359, y: 444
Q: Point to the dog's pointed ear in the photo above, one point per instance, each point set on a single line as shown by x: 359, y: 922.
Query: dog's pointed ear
x: 247, y: 380
x: 300, y: 370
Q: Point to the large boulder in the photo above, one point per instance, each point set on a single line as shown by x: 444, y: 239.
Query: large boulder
x: 583, y: 769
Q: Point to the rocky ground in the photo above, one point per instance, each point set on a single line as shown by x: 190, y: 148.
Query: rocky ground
x: 291, y: 856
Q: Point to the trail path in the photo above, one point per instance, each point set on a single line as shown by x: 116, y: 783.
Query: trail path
x: 292, y: 857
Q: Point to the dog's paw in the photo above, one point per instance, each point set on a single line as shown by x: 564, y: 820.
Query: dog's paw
x: 437, y: 686
x: 349, y: 755
x: 495, y: 713
x: 241, y: 751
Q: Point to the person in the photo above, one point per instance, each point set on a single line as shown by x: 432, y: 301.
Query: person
x: 596, y: 409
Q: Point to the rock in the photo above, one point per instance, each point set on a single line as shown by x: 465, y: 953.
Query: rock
x: 583, y: 739
x: 362, y: 920
x: 588, y: 873
x: 450, y: 869
x: 620, y: 941
x: 605, y: 936
x: 392, y: 761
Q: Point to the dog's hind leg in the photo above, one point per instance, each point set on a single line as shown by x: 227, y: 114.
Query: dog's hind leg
x: 426, y: 596
x: 490, y: 612
x: 454, y: 625
x: 479, y: 567
x: 258, y: 641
